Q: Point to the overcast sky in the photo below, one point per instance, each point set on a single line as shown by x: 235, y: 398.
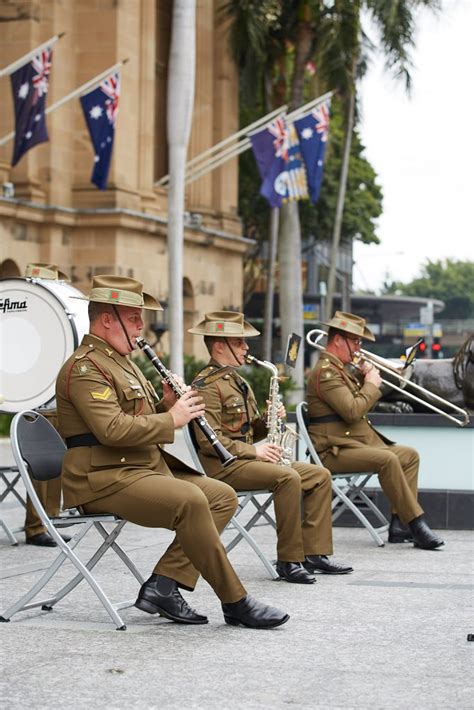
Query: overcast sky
x: 422, y: 148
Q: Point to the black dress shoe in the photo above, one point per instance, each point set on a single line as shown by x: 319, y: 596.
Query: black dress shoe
x: 323, y: 565
x: 252, y: 613
x: 160, y: 595
x: 423, y: 536
x: 397, y: 532
x: 44, y: 540
x: 294, y: 572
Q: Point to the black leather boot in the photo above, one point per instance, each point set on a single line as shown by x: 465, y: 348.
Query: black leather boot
x: 321, y: 564
x: 44, y: 539
x: 294, y: 572
x: 252, y: 613
x: 160, y: 595
x: 397, y: 532
x: 423, y: 536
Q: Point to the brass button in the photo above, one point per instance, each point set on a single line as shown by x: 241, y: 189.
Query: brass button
x: 122, y: 460
x: 347, y: 433
x: 368, y: 421
x: 139, y: 394
x: 239, y: 410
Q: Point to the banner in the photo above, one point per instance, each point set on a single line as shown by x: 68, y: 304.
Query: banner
x: 313, y: 132
x: 29, y: 87
x: 270, y: 148
x: 100, y: 108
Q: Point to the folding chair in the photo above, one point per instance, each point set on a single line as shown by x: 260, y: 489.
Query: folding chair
x: 244, y: 497
x: 39, y: 451
x: 349, y: 490
x: 10, y: 476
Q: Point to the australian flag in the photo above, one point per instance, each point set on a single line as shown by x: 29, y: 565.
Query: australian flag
x: 100, y: 107
x: 313, y: 132
x: 30, y: 87
x: 270, y: 148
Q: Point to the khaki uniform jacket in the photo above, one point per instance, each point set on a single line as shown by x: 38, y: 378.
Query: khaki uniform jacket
x: 332, y: 390
x: 227, y: 414
x: 101, y: 392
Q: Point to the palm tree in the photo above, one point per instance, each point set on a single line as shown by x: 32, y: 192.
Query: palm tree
x: 395, y: 23
x: 181, y: 73
x: 263, y: 34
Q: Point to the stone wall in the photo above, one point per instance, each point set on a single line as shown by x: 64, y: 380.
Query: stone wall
x: 58, y: 216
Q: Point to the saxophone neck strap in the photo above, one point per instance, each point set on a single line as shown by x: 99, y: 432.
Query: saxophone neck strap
x: 244, y: 388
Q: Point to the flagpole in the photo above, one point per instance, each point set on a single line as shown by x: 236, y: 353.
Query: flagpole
x: 243, y: 145
x: 26, y: 57
x: 79, y: 91
x: 243, y: 131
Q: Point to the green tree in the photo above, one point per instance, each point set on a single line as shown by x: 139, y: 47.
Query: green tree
x: 450, y: 281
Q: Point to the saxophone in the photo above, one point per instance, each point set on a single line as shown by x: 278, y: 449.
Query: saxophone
x: 279, y: 433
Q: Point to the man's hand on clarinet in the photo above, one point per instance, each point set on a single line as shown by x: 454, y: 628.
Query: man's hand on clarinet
x: 169, y: 397
x: 189, y: 406
x: 268, y: 452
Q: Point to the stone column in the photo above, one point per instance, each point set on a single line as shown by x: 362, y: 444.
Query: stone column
x: 199, y: 193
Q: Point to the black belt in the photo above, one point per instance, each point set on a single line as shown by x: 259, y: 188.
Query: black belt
x: 82, y: 440
x: 326, y: 419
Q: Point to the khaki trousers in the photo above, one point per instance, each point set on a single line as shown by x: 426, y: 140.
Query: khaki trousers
x: 198, y: 509
x: 397, y: 469
x: 49, y: 493
x: 296, y: 536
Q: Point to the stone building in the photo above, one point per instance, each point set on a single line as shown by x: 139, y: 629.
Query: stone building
x: 57, y: 215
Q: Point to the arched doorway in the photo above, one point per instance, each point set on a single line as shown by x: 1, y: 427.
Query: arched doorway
x: 9, y: 269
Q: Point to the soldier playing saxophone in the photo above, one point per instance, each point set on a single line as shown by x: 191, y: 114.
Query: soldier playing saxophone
x: 304, y: 543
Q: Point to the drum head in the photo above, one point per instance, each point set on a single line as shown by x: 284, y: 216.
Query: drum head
x: 40, y: 327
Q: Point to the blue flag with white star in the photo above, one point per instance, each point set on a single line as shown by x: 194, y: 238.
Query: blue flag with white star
x: 270, y: 148
x: 100, y: 107
x: 313, y: 132
x: 30, y: 87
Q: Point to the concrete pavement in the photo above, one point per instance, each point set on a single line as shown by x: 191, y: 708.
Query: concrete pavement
x: 392, y: 634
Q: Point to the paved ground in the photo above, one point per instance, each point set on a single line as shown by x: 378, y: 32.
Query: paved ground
x: 391, y: 635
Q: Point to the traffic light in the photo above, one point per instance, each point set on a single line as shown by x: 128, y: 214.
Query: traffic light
x: 436, y: 348
x: 422, y: 348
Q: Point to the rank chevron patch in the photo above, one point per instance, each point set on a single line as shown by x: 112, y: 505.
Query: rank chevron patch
x: 102, y: 396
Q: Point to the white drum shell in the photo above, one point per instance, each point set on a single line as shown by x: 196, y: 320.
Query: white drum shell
x: 41, y: 324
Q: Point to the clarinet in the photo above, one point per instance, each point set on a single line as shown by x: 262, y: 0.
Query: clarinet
x: 225, y: 457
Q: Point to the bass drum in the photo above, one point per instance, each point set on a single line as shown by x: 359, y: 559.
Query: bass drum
x: 41, y: 325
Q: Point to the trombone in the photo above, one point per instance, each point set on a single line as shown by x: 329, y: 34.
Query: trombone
x: 313, y: 338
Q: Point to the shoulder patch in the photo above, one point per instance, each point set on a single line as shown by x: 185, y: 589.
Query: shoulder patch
x: 102, y: 396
